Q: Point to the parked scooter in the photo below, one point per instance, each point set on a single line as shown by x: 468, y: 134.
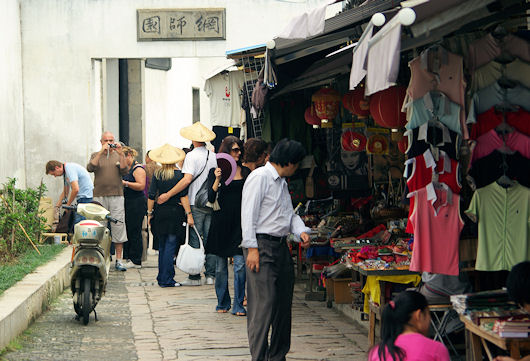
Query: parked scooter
x: 91, y: 259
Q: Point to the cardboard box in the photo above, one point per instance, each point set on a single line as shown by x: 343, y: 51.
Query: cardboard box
x: 338, y: 290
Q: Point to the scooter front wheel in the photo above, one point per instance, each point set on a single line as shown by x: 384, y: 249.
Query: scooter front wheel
x: 86, y: 308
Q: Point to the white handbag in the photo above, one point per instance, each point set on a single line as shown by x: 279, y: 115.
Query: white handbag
x: 191, y: 260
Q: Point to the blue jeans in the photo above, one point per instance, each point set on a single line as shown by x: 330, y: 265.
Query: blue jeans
x: 166, y: 252
x: 202, y: 219
x: 221, y: 284
x: 77, y: 217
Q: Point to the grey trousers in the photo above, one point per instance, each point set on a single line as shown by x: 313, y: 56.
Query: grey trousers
x: 270, y: 298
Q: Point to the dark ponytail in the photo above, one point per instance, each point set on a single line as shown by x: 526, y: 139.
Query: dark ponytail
x: 396, y: 314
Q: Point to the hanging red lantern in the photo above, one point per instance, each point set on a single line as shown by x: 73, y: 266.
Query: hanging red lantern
x: 353, y: 141
x: 327, y: 101
x: 403, y: 144
x: 356, y: 103
x: 385, y: 107
x: 310, y: 116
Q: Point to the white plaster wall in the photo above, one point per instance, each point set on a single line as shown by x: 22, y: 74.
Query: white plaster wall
x: 11, y: 104
x: 61, y: 37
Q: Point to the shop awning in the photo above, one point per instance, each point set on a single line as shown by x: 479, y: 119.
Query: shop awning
x: 337, y: 31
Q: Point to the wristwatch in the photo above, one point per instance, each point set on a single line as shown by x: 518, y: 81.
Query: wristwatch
x: 188, y: 213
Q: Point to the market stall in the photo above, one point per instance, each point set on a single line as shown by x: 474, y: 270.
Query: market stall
x: 417, y: 128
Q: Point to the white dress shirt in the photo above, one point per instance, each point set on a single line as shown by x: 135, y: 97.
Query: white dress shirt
x: 266, y: 207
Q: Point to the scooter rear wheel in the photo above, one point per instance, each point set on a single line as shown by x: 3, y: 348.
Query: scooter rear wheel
x: 86, y: 308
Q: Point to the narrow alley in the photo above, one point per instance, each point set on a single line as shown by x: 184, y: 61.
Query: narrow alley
x: 140, y: 321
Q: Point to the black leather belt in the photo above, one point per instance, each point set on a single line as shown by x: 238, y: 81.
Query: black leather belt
x: 271, y: 238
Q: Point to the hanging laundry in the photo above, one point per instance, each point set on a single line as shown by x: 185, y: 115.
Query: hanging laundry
x: 358, y: 71
x: 496, y: 94
x: 503, y: 227
x: 224, y: 91
x: 437, y: 224
x: 435, y: 106
x: 308, y: 24
x: 383, y: 62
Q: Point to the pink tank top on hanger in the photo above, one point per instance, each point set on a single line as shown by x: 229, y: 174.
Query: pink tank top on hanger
x: 437, y: 230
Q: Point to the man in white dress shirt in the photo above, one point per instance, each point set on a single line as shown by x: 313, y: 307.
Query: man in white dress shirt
x: 267, y: 217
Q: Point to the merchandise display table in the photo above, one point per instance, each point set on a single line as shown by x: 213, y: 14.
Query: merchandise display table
x: 384, y: 279
x: 477, y: 336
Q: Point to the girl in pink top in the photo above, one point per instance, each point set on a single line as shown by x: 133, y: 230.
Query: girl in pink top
x: 405, y: 324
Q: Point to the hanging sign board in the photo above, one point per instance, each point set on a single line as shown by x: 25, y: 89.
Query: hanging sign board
x: 181, y: 24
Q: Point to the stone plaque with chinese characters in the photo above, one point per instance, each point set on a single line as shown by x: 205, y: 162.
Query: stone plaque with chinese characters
x: 181, y: 24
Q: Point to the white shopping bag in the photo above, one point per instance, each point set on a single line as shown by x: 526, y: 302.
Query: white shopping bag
x: 191, y: 260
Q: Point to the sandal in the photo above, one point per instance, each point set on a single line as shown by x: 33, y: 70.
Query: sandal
x: 222, y: 311
x: 242, y: 314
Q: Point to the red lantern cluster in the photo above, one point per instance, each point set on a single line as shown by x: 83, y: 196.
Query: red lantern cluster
x: 385, y: 107
x: 356, y: 103
x: 310, y: 116
x: 327, y: 101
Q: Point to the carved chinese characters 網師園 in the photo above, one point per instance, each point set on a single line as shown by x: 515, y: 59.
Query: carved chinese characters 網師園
x: 180, y: 24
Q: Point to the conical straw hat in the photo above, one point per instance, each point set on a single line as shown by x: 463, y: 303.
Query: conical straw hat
x: 198, y: 133
x: 167, y: 154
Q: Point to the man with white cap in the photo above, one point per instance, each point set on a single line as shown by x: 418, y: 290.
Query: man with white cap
x: 197, y: 165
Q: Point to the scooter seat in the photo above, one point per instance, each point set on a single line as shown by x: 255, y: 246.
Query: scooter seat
x: 92, y: 223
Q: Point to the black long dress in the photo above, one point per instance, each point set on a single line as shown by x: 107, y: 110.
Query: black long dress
x: 225, y: 234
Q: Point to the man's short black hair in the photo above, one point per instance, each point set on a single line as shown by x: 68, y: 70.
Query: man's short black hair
x: 518, y: 283
x: 287, y: 151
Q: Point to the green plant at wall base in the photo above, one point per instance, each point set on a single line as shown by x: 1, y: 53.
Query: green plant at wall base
x: 24, y: 210
x: 14, y: 271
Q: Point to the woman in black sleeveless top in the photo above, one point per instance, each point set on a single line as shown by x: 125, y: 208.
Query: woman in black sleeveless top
x: 135, y: 207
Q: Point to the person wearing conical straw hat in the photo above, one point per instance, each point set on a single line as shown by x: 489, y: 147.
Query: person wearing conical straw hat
x: 166, y: 219
x: 196, y: 167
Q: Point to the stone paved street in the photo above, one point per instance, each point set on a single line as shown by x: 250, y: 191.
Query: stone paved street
x: 140, y: 321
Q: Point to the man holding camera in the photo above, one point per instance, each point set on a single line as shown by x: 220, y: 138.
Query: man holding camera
x: 109, y: 165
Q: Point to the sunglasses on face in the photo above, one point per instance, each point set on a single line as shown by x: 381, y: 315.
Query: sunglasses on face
x: 235, y: 150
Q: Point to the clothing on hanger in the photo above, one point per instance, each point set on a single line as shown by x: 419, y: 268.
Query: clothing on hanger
x: 517, y: 70
x: 503, y: 232
x: 492, y: 140
x: 441, y: 70
x: 418, y: 145
x: 434, y: 105
x: 494, y: 45
x: 437, y: 224
x: 496, y: 94
x: 488, y: 169
x: 490, y: 119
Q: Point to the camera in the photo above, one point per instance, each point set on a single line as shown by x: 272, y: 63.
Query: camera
x: 113, y: 145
